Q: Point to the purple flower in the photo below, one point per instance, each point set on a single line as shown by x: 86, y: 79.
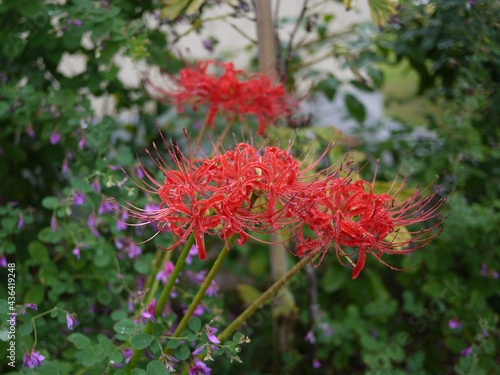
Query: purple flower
x: 208, y: 45
x: 139, y: 172
x: 165, y: 272
x: 55, y: 137
x: 121, y: 224
x: 193, y: 252
x: 53, y: 223
x: 467, y: 351
x: 3, y: 261
x: 484, y: 270
x: 31, y: 306
x: 33, y: 359
x: 316, y: 363
x: 81, y: 143
x: 78, y: 198
x: 20, y: 223
x: 128, y: 247
x: 107, y: 206
x: 199, y: 368
x: 70, y: 321
x: 326, y: 329
x: 127, y: 354
x: 494, y: 274
x: 95, y: 185
x: 211, y: 336
x: 30, y: 131
x: 77, y: 22
x: 169, y: 361
x: 310, y: 337
x: 76, y: 253
x: 454, y: 324
x: 92, y: 224
x: 65, y: 166
x: 149, y: 313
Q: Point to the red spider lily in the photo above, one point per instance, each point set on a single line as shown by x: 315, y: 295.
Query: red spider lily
x: 352, y: 215
x: 232, y: 93
x: 247, y: 190
x: 241, y: 191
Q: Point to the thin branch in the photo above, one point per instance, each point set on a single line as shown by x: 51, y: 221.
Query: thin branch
x: 241, y: 32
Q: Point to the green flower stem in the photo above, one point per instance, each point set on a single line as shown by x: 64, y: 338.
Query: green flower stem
x: 203, y: 288
x: 160, y: 303
x: 259, y: 302
x: 152, y: 283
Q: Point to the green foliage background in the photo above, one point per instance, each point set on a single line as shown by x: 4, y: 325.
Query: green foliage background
x: 385, y: 322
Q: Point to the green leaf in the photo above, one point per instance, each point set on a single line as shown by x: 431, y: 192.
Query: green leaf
x: 38, y: 252
x: 333, y: 279
x: 80, y: 340
x: 125, y: 326
x: 329, y: 87
x: 49, y: 236
x: 355, y: 108
x: 139, y: 371
x: 36, y: 294
x: 115, y: 358
x: 156, y: 368
x: 381, y: 10
x: 173, y: 344
x: 25, y: 329
x: 182, y: 353
x: 142, y: 341
x: 195, y: 324
x: 4, y: 107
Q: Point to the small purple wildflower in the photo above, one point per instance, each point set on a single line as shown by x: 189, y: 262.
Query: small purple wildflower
x: 92, y: 224
x: 65, y: 166
x: 81, y: 143
x: 55, y: 137
x: 20, y: 223
x: 454, y: 324
x: 210, y: 335
x: 466, y: 352
x: 169, y: 361
x: 33, y: 359
x: 107, y: 206
x: 193, y: 252
x: 95, y: 185
x: 121, y: 224
x: 208, y: 45
x: 78, y: 198
x: 77, y: 22
x: 76, y: 252
x: 326, y: 329
x: 316, y: 363
x: 3, y: 261
x: 31, y: 306
x: 53, y: 223
x: 127, y: 354
x: 484, y: 270
x: 165, y: 272
x: 310, y: 338
x: 199, y: 368
x: 149, y: 313
x: 70, y: 321
x: 29, y: 130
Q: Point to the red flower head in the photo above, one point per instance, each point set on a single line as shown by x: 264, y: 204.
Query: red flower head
x: 351, y: 215
x: 232, y: 93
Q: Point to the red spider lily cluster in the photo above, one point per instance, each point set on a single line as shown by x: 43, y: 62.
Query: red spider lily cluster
x: 248, y: 190
x: 232, y: 93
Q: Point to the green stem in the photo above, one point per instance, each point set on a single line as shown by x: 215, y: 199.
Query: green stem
x: 259, y: 302
x: 160, y: 304
x: 152, y: 283
x: 203, y: 288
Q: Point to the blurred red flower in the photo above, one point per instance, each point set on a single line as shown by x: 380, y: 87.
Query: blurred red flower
x: 232, y: 93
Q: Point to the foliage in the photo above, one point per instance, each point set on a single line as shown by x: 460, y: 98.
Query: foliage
x: 62, y: 160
